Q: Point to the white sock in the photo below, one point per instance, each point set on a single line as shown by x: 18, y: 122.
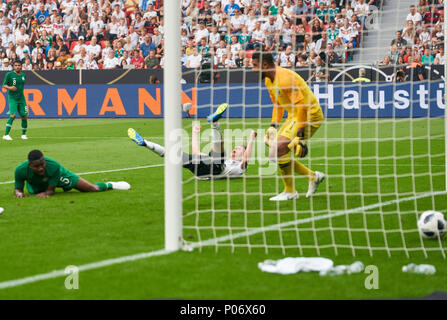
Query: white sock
x: 216, y: 136
x: 155, y: 147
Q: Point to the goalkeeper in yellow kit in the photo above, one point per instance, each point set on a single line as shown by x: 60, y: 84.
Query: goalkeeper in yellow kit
x: 289, y: 92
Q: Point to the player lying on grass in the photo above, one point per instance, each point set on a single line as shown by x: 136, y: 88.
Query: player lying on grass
x: 289, y: 92
x: 43, y: 175
x: 204, y: 166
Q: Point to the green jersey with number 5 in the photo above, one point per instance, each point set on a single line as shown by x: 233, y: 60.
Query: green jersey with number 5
x: 55, y: 175
x: 18, y: 81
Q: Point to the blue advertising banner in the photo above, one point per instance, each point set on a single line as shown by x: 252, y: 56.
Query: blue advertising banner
x: 370, y: 100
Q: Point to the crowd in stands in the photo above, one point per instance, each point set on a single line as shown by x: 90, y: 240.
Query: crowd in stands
x: 419, y: 43
x: 103, y: 34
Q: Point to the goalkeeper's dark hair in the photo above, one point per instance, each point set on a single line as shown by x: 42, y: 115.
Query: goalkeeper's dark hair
x: 18, y: 61
x: 35, y: 155
x: 263, y: 57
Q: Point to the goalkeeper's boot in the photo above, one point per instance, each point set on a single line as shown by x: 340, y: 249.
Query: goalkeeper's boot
x: 218, y: 114
x: 284, y: 196
x: 7, y: 137
x: 120, y: 185
x: 313, y: 185
x: 135, y: 136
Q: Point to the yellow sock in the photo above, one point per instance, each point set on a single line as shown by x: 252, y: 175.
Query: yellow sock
x: 303, y: 170
x: 285, y: 167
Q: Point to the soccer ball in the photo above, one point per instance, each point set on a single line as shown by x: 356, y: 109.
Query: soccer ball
x: 432, y: 224
x: 187, y: 106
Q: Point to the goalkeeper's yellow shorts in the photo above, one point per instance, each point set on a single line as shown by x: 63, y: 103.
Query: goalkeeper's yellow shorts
x: 290, y: 127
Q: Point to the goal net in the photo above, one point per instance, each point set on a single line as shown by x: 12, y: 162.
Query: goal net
x: 377, y: 72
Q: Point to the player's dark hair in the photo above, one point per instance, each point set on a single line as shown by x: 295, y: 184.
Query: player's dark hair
x: 18, y: 61
x: 35, y: 155
x: 263, y: 57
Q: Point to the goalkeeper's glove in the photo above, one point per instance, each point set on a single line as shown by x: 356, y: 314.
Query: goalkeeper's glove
x: 270, y: 134
x: 298, y: 146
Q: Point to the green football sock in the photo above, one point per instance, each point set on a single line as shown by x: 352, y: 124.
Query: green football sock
x: 104, y: 186
x: 24, y: 126
x: 9, y: 125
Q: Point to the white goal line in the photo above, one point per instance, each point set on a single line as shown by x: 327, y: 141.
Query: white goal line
x: 210, y: 242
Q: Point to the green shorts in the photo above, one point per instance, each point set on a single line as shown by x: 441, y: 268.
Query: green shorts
x: 66, y: 182
x: 19, y: 108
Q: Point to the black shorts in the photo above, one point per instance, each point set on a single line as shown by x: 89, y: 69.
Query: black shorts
x: 204, y: 165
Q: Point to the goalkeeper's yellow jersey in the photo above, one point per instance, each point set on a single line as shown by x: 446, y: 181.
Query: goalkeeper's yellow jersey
x: 290, y: 92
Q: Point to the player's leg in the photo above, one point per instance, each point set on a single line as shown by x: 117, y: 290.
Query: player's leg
x: 85, y: 186
x: 281, y: 154
x: 314, y: 177
x: 23, y: 111
x: 138, y: 139
x: 12, y: 115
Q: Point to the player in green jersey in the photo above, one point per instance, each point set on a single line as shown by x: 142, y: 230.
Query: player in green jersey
x: 14, y: 83
x: 43, y: 175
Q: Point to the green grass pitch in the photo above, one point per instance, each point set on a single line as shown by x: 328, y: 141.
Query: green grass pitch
x: 38, y: 236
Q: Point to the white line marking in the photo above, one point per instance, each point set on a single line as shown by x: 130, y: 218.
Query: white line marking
x: 105, y: 171
x: 135, y: 257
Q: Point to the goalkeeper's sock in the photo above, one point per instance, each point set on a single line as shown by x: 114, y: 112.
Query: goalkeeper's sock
x: 285, y: 167
x: 24, y: 126
x: 158, y: 149
x: 104, y: 186
x: 303, y: 170
x: 9, y: 125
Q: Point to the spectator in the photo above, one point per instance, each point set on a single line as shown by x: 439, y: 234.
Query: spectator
x: 427, y: 58
x: 400, y: 75
x: 399, y: 41
x: 6, y: 66
x: 126, y: 58
x: 415, y: 69
x: 82, y: 55
x: 94, y: 49
x: 52, y: 56
x: 41, y: 14
x: 320, y: 72
x: 362, y: 76
x: 111, y: 62
x: 201, y: 33
x: 21, y: 49
x: 150, y: 25
x: 63, y: 57
x: 194, y: 60
x: 414, y: 16
x: 147, y: 45
x: 203, y: 47
x: 237, y: 21
x: 286, y: 58
x: 137, y: 60
x: 440, y: 57
x: 393, y: 54
x: 231, y: 7
x: 151, y: 61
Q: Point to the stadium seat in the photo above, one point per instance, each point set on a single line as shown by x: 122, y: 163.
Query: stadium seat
x: 102, y: 44
x: 73, y: 44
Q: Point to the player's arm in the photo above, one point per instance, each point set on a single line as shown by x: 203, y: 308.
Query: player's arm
x: 277, y: 115
x: 299, y: 112
x: 49, y: 192
x: 195, y: 138
x: 19, y: 193
x: 249, y: 150
x: 19, y: 184
x: 6, y: 86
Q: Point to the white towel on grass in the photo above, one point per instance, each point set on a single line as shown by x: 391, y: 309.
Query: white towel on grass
x: 293, y: 265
